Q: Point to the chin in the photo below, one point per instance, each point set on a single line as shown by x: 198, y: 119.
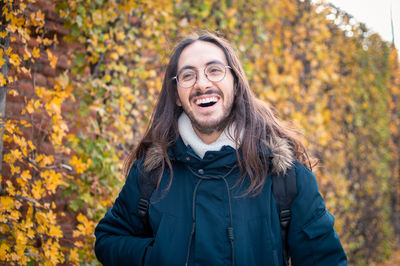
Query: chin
x: 208, y: 127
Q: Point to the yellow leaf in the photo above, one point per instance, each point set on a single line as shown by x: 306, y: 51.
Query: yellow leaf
x: 26, y: 175
x: 37, y: 190
x: 52, y: 252
x: 11, y: 79
x: 120, y: 50
x: 52, y: 180
x: 36, y: 52
x: 9, y: 158
x: 41, y: 92
x: 20, y: 141
x: 27, y: 55
x: 52, y: 59
x: 85, y: 227
x: 30, y: 107
x: 40, y: 15
x: 55, y: 231
x: 97, y: 17
x: 3, y: 81
x: 30, y: 143
x: 120, y: 35
x: 81, y: 218
x: 10, y: 188
x: 4, y: 250
x: 37, y: 104
x: 17, y: 154
x: 6, y: 203
x: 53, y: 62
x: 78, y: 164
x: 20, y: 238
x: 73, y: 255
x: 22, y: 183
x: 14, y: 215
x: 3, y: 34
x: 47, y: 41
x: 31, y: 233
x: 54, y: 106
x: 18, y: 204
x: 114, y: 56
x: 13, y: 92
x: 15, y: 60
x: 15, y: 169
x: 107, y: 78
x: 43, y: 160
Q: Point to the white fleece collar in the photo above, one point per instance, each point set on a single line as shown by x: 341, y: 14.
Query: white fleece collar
x: 190, y: 137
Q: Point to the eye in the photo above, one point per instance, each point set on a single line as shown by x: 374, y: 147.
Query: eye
x: 187, y: 75
x: 215, y: 70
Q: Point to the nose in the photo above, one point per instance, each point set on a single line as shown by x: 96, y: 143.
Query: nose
x: 202, y: 81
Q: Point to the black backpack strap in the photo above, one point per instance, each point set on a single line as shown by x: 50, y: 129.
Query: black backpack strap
x: 147, y: 182
x: 285, y: 190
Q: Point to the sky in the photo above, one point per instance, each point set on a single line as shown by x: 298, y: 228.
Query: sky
x: 375, y: 14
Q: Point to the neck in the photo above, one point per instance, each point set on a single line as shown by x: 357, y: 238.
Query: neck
x: 201, y: 142
x: 207, y: 138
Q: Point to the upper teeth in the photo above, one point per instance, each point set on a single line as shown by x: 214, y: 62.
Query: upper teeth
x: 206, y: 100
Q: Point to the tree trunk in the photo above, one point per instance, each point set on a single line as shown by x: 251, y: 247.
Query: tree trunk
x: 4, y: 43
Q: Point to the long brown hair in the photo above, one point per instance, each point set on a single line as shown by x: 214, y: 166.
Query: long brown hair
x: 254, y: 117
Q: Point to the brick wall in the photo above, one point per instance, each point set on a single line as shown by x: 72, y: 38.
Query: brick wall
x: 42, y: 74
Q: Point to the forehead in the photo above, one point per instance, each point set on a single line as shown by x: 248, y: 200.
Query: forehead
x: 199, y: 53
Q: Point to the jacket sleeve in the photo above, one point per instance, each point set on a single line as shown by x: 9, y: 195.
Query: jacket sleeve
x: 119, y: 235
x: 312, y: 237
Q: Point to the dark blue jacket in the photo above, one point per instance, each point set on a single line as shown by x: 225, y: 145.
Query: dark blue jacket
x: 199, y: 195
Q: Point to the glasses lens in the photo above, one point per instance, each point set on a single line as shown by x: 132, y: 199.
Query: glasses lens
x: 215, y: 72
x: 187, y: 78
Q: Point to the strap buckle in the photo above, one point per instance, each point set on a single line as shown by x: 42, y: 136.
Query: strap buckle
x: 284, y: 217
x: 143, y: 206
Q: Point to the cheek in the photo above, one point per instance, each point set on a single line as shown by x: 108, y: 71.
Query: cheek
x: 231, y: 90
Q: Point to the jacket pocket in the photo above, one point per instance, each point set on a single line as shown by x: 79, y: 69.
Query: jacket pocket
x: 320, y: 225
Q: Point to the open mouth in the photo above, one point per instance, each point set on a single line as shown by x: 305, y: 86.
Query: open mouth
x: 206, y: 102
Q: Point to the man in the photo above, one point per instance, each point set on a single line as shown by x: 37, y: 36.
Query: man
x: 212, y: 147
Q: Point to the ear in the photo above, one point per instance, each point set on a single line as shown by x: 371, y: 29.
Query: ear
x: 178, y: 101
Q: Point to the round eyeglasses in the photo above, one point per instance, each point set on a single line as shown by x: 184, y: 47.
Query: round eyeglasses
x: 214, y: 72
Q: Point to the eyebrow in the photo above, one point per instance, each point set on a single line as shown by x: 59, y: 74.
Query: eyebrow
x: 207, y: 64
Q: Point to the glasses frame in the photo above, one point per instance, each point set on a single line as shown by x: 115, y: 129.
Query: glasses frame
x: 204, y: 70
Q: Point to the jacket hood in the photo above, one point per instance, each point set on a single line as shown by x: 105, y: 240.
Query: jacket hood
x: 278, y: 149
x: 281, y: 153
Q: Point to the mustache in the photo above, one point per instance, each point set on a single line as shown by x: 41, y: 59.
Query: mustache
x: 199, y: 93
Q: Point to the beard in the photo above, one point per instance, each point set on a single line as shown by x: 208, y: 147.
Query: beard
x: 209, y: 127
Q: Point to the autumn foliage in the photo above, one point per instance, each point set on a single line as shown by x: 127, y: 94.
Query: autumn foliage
x: 62, y: 155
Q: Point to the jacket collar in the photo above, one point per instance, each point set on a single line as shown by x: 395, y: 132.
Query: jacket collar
x: 226, y: 156
x: 278, y: 149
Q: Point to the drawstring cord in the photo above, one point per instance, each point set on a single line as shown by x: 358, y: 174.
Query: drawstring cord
x: 229, y: 230
x: 193, y: 221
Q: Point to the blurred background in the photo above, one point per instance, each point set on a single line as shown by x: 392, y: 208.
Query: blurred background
x: 79, y: 80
